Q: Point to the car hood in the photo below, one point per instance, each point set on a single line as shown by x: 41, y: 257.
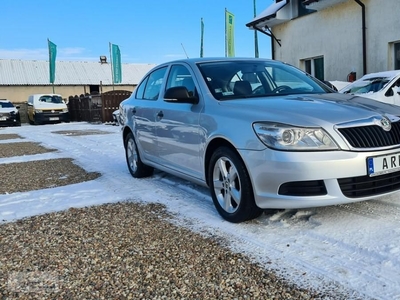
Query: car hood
x: 8, y: 110
x: 312, y: 109
x: 44, y: 105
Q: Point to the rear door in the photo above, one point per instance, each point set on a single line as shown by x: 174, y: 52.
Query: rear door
x: 144, y: 113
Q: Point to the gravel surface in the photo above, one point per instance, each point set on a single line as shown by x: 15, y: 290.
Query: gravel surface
x: 41, y: 174
x: 21, y: 148
x: 126, y: 251
x: 117, y: 251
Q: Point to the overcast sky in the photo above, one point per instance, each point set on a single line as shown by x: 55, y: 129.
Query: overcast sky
x: 151, y: 31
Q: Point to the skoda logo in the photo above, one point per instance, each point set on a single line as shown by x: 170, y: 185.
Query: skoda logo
x: 386, y: 124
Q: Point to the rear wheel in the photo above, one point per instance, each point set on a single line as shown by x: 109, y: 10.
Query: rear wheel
x: 231, y: 188
x: 135, y: 165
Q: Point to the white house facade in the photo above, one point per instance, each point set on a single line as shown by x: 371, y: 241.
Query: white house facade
x: 334, y: 39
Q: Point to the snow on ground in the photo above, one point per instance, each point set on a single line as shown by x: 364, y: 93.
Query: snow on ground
x: 351, y: 247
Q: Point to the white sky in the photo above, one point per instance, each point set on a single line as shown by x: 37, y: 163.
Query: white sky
x: 353, y: 247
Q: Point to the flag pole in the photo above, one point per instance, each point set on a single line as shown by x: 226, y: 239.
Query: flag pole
x: 256, y: 54
x: 111, y: 63
x: 201, y: 37
x: 226, y: 36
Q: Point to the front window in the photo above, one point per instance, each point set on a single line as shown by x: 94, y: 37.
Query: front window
x: 367, y: 85
x: 51, y: 99
x: 6, y: 105
x: 180, y: 76
x: 257, y: 78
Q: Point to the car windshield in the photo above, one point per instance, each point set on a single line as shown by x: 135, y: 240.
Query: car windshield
x: 364, y: 86
x: 51, y: 99
x: 6, y: 104
x: 257, y: 78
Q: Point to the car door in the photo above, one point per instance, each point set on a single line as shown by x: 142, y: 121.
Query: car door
x: 144, y: 112
x: 179, y: 137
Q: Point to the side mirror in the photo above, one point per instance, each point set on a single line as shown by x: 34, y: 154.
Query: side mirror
x: 179, y: 94
x: 397, y: 90
x: 17, y: 107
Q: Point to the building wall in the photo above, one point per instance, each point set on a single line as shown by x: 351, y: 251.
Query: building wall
x: 336, y: 34
x: 20, y: 94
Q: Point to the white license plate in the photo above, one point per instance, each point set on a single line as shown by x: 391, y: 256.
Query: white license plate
x: 379, y: 165
x: 54, y: 118
x: 3, y: 118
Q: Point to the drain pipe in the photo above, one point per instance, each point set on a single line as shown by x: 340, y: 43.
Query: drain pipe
x: 364, y: 38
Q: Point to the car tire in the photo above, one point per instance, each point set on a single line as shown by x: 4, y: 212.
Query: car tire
x: 135, y: 165
x: 231, y: 187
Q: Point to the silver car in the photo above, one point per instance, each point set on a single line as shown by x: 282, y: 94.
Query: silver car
x: 260, y: 134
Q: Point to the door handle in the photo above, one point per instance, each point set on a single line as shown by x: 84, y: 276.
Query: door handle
x: 133, y: 110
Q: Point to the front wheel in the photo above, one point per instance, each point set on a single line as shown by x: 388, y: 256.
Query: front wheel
x: 135, y: 165
x: 231, y: 188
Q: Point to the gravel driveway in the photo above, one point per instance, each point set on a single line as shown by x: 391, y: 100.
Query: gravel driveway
x: 117, y: 251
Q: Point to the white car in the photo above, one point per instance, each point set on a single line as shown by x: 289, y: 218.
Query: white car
x: 381, y: 86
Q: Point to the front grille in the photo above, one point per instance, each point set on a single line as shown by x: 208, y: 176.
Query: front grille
x: 364, y: 186
x: 372, y: 136
x: 303, y: 188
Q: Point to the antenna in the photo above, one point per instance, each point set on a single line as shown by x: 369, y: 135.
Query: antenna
x: 184, y: 51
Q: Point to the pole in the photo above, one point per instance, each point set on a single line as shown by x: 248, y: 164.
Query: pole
x: 184, y: 51
x: 226, y: 36
x: 256, y: 54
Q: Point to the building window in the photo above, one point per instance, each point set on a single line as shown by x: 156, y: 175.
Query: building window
x: 397, y: 56
x: 315, y: 67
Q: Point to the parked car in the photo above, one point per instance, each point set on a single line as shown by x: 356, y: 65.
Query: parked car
x: 381, y: 86
x: 9, y: 114
x: 260, y: 134
x: 47, y: 108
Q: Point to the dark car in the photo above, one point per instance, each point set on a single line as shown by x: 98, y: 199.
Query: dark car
x: 9, y: 114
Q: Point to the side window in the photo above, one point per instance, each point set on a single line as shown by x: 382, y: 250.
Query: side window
x: 180, y: 76
x: 154, y: 83
x: 393, y: 89
x: 140, y: 88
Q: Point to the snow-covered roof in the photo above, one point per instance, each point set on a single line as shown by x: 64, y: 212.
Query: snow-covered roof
x: 271, y: 16
x: 36, y: 72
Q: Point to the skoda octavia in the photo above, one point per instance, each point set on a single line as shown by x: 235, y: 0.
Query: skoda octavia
x: 260, y: 134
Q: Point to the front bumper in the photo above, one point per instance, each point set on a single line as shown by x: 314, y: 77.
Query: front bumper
x: 310, y: 179
x: 49, y: 117
x: 10, y: 120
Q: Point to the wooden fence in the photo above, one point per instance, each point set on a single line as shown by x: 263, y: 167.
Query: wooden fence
x: 96, y: 108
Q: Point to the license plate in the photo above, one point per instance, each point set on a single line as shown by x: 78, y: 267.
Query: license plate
x: 3, y: 118
x: 54, y: 118
x: 385, y: 164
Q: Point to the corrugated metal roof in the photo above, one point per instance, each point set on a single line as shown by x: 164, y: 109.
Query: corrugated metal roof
x: 36, y: 72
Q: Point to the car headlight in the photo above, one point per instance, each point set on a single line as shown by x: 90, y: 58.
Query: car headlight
x: 287, y: 137
x: 38, y: 111
x: 65, y: 110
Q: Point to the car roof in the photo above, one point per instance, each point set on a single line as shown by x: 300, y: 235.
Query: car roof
x: 384, y: 74
x: 4, y: 100
x: 216, y: 59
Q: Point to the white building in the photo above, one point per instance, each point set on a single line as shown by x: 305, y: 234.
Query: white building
x: 332, y: 38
